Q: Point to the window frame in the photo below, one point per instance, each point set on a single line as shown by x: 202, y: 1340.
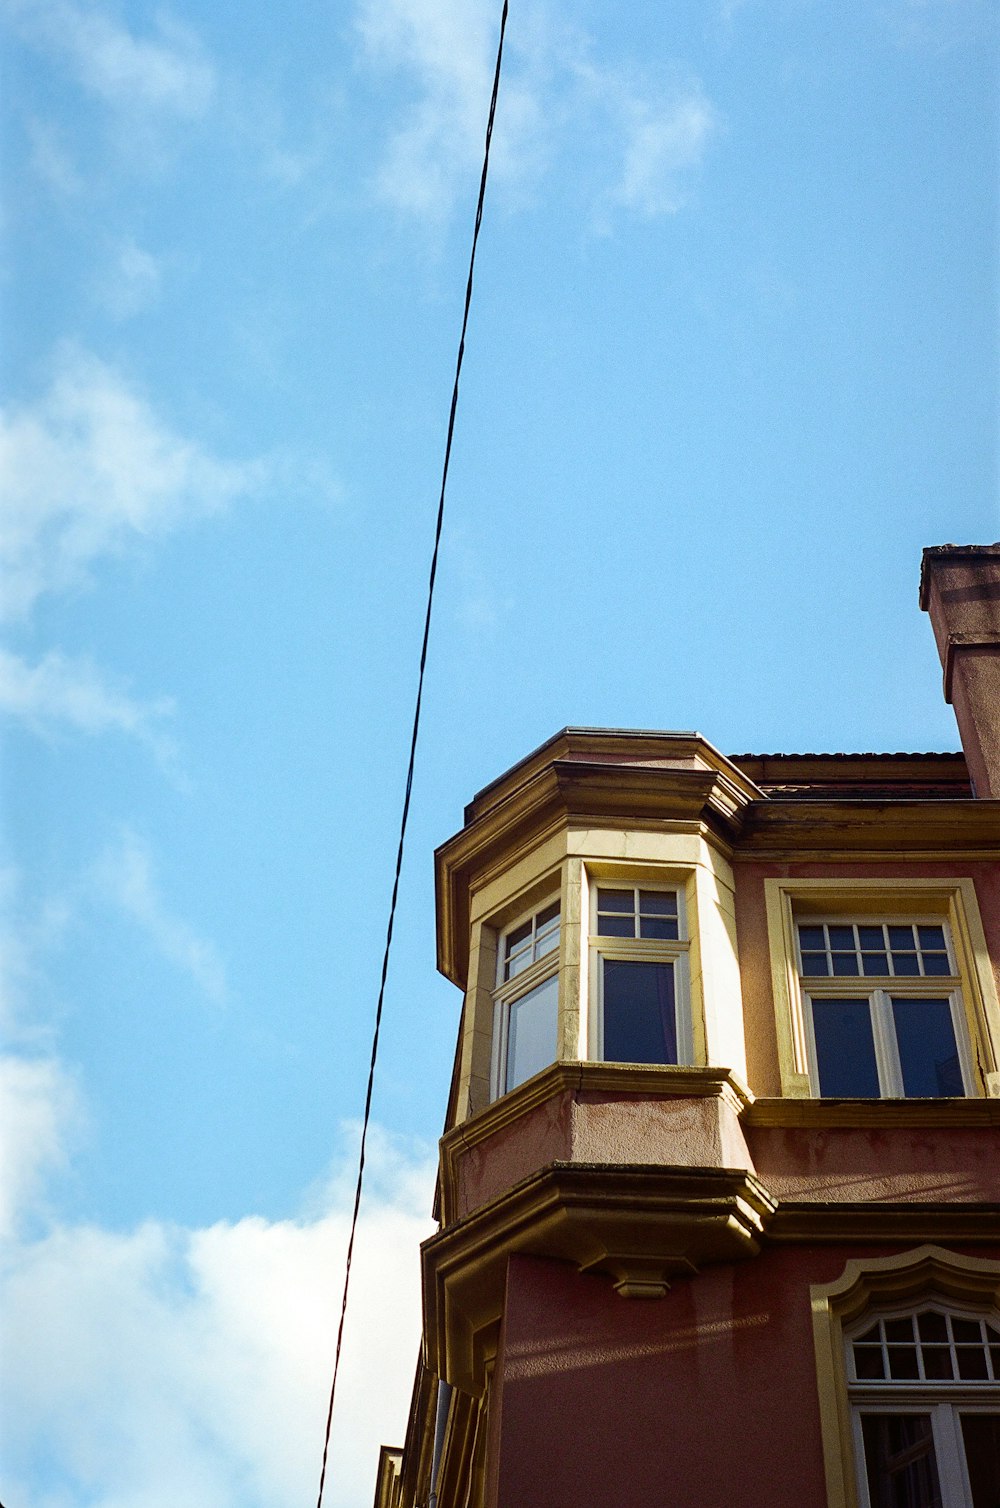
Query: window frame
x: 927, y: 1276
x: 507, y: 992
x: 944, y: 1400
x: 675, y: 951
x: 791, y: 900
x: 880, y: 991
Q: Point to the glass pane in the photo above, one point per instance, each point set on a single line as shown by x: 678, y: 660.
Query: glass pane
x: 981, y: 1438
x: 937, y: 1362
x: 899, y: 1329
x: 931, y: 937
x: 901, y: 937
x: 845, y: 963
x: 531, y: 1032
x: 966, y: 1331
x: 812, y: 938
x: 936, y: 964
x: 814, y: 964
x: 518, y: 936
x: 899, y: 1461
x: 615, y: 900
x: 874, y: 963
x: 640, y: 1023
x: 872, y: 937
x: 658, y: 926
x: 928, y: 1054
x: 932, y: 1326
x: 841, y: 937
x: 868, y: 1362
x: 971, y: 1363
x: 518, y: 960
x: 657, y: 903
x: 547, y: 930
x: 871, y: 1335
x: 903, y: 1363
x: 905, y: 964
x: 845, y: 1051
x: 616, y: 926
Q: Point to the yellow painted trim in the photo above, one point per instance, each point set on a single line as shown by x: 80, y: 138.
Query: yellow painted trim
x: 950, y: 896
x: 864, y: 1284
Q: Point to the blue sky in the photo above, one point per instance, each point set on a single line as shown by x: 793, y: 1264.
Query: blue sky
x: 732, y: 363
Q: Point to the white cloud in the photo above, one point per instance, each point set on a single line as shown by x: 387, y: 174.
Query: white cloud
x: 61, y: 691
x: 132, y: 281
x: 124, y: 875
x: 166, y: 73
x: 168, y: 1365
x: 38, y: 1110
x: 89, y: 470
x: 633, y: 137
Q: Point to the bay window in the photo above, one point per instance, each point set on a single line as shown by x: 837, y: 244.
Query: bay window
x: 639, y: 984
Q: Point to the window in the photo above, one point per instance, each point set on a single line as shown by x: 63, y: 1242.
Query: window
x: 883, y: 1009
x: 640, y: 1012
x: 925, y: 1394
x: 526, y: 998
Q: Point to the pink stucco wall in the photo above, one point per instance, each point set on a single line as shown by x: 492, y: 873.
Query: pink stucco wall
x: 703, y: 1398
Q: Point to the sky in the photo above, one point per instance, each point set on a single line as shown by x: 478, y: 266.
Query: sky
x: 732, y: 363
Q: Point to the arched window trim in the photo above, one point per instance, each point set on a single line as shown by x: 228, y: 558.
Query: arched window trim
x: 877, y: 1285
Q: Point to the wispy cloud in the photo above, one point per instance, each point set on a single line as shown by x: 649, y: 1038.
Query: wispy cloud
x: 39, y: 1111
x: 166, y: 73
x: 635, y: 139
x: 65, y: 692
x: 124, y: 875
x: 131, y: 281
x: 191, y: 1365
x: 90, y: 470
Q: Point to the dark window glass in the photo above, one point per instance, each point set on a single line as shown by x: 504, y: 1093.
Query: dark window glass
x: 981, y: 1438
x: 639, y: 1018
x: 902, y: 938
x: 936, y: 964
x: 966, y: 1332
x: 845, y: 1051
x: 932, y: 1326
x: 928, y: 1054
x: 931, y: 937
x: 657, y: 903
x: 899, y: 1461
x: 905, y: 964
x: 937, y: 1362
x: 812, y: 938
x: 814, y: 964
x: 868, y: 1362
x: 845, y: 963
x: 615, y: 900
x: 616, y: 926
x: 658, y: 926
x: 899, y: 1329
x: 841, y: 937
x: 971, y: 1363
x: 903, y: 1363
x: 874, y: 963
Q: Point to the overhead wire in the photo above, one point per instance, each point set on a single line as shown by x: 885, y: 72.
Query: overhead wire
x: 411, y: 764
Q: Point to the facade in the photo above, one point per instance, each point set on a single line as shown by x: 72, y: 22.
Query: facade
x: 719, y: 1190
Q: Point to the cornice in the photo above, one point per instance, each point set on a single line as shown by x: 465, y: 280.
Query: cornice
x: 873, y: 1115
x: 640, y: 1226
x: 568, y: 792
x: 874, y: 827
x: 875, y: 1221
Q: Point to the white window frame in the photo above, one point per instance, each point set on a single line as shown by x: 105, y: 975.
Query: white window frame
x: 640, y: 950
x: 879, y: 990
x: 509, y: 991
x: 943, y: 1399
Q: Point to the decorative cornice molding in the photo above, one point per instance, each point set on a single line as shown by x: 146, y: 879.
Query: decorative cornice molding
x: 874, y: 1115
x: 641, y: 1226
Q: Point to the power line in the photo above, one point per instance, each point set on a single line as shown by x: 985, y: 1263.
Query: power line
x: 413, y: 747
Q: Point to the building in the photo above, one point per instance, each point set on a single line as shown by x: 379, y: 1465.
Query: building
x: 719, y: 1191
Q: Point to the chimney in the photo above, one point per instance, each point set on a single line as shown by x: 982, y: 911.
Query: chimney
x: 960, y: 589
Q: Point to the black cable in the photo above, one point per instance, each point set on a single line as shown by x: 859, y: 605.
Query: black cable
x: 413, y: 747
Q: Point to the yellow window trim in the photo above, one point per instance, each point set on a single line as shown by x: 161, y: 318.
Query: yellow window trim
x: 879, y: 1282
x: 954, y: 899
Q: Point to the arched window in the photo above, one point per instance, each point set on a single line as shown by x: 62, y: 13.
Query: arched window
x: 925, y: 1395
